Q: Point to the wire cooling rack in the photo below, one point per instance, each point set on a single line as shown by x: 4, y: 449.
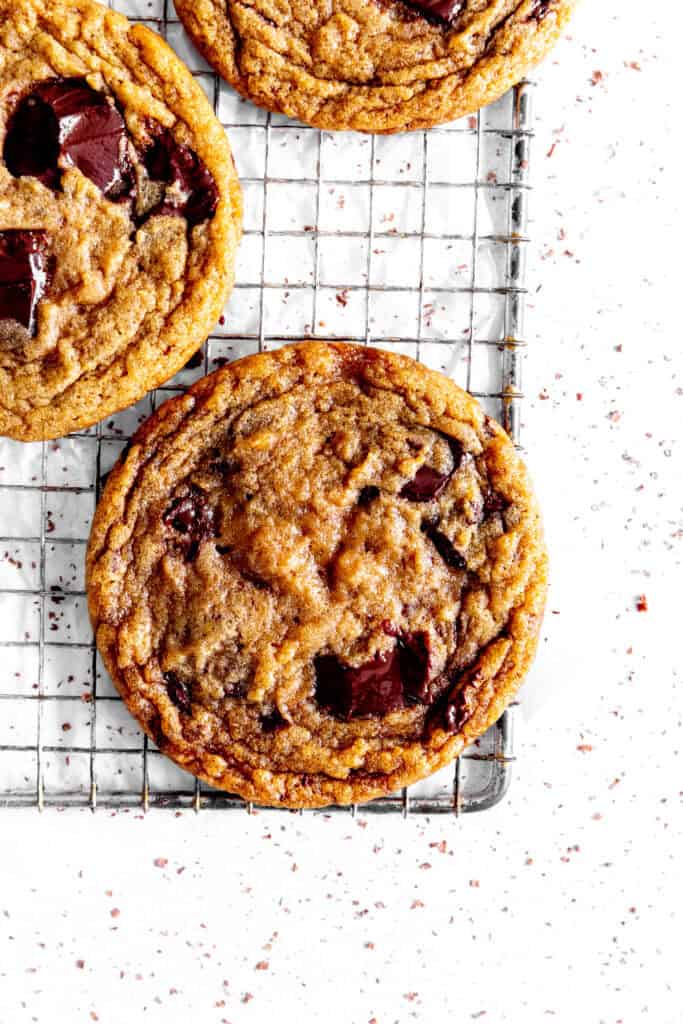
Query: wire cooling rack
x: 414, y: 242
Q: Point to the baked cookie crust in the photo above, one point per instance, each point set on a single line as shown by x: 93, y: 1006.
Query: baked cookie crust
x: 318, y: 575
x: 373, y: 65
x: 112, y: 160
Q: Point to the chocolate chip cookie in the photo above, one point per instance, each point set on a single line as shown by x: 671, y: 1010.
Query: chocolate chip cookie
x: 318, y: 575
x: 120, y: 214
x: 374, y: 65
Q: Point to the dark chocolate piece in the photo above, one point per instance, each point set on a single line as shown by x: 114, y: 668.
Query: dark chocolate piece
x: 539, y: 9
x: 24, y: 275
x: 178, y: 692
x: 494, y: 502
x: 444, y: 546
x: 65, y: 118
x: 387, y: 683
x: 192, y: 518
x: 367, y: 495
x: 415, y: 659
x: 197, y: 193
x: 428, y: 483
x: 372, y: 689
x: 272, y: 721
x: 443, y: 11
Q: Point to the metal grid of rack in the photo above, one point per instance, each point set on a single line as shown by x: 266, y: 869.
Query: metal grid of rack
x: 414, y: 242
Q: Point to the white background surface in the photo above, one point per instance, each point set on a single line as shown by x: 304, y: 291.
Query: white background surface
x: 564, y: 904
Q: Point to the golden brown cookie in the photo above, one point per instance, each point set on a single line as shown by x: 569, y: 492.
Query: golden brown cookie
x: 120, y: 214
x: 318, y: 575
x: 374, y: 65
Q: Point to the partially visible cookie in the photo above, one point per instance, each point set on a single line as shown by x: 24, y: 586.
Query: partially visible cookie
x: 120, y: 215
x: 374, y: 65
x: 318, y: 575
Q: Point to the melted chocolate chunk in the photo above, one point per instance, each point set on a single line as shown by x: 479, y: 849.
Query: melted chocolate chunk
x: 272, y: 721
x: 65, y: 118
x: 458, y: 710
x: 494, y: 502
x: 416, y: 662
x: 191, y: 517
x: 428, y: 483
x: 445, y: 11
x: 24, y: 275
x: 444, y: 546
x: 539, y: 9
x: 196, y: 195
x: 178, y: 692
x: 367, y: 495
x: 384, y: 684
x: 372, y: 689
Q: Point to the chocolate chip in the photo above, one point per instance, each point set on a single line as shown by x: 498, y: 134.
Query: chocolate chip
x: 444, y: 11
x: 372, y: 689
x: 384, y: 684
x: 458, y: 710
x: 192, y: 518
x: 494, y: 502
x: 367, y: 495
x: 66, y: 119
x: 444, y: 546
x: 178, y: 692
x: 272, y: 721
x: 461, y: 703
x: 428, y: 483
x: 24, y: 275
x: 539, y: 9
x: 415, y: 659
x: 196, y: 193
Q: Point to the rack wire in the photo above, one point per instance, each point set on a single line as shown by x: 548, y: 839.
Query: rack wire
x: 414, y: 242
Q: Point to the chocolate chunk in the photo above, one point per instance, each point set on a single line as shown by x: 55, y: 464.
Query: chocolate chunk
x: 32, y: 142
x: 372, y: 689
x: 66, y: 119
x: 494, y: 502
x: 539, y: 9
x: 196, y: 194
x: 415, y: 659
x: 272, y: 721
x: 428, y: 483
x: 387, y: 683
x: 459, y: 709
x: 24, y: 275
x: 192, y: 518
x: 367, y: 495
x: 444, y: 11
x: 178, y: 692
x: 444, y: 546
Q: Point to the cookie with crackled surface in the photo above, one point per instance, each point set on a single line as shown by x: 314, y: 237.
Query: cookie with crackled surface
x: 374, y: 65
x: 120, y: 215
x: 318, y: 575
